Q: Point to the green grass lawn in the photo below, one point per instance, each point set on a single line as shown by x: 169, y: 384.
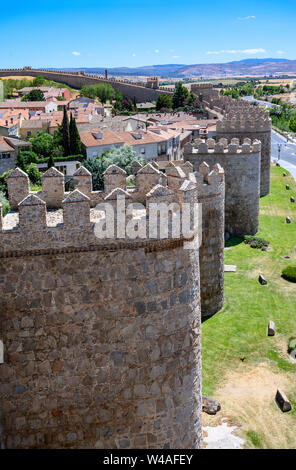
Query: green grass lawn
x: 237, y: 334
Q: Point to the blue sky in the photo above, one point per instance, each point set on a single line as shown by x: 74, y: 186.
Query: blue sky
x: 95, y: 33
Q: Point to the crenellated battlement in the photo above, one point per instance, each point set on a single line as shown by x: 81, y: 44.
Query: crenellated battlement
x: 244, y: 123
x: 223, y: 147
x: 35, y: 225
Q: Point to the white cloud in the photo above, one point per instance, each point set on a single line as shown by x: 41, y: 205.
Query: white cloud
x: 238, y: 51
x: 250, y: 17
x: 156, y: 51
x: 176, y: 56
x: 134, y: 55
x: 254, y: 51
x: 280, y: 52
x: 76, y: 53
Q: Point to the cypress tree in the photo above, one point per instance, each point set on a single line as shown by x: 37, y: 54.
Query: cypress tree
x: 75, y: 142
x: 66, y: 134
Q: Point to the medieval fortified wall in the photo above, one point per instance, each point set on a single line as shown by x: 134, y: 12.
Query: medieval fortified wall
x: 101, y: 336
x: 78, y: 80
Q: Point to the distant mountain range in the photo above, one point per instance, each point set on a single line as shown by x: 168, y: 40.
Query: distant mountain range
x: 245, y: 67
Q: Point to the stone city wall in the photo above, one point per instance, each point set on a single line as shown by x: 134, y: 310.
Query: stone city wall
x: 77, y: 80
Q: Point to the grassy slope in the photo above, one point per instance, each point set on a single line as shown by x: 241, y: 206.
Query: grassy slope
x: 239, y: 330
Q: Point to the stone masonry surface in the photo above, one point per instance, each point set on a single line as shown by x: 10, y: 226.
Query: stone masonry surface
x: 101, y: 337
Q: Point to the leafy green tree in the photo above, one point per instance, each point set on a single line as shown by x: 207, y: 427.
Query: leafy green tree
x: 102, y: 91
x: 292, y: 123
x: 180, y: 95
x: 75, y: 142
x: 123, y: 157
x: 4, y: 202
x: 25, y: 158
x: 50, y: 162
x: 42, y: 144
x: 3, y: 183
x: 34, y: 174
x: 164, y: 102
x: 65, y: 133
x: 39, y: 81
x: 105, y: 92
x: 34, y: 95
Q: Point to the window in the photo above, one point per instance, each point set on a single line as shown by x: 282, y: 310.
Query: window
x: 29, y: 133
x: 143, y: 150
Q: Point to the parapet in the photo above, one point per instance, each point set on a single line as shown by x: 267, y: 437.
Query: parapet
x: 244, y: 123
x: 223, y: 147
x: 33, y: 228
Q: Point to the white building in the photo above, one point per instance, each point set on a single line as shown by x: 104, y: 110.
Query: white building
x: 154, y: 144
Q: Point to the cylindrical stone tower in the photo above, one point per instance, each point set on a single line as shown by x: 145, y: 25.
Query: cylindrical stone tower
x: 211, y: 193
x: 255, y: 126
x: 241, y: 165
x: 101, y: 335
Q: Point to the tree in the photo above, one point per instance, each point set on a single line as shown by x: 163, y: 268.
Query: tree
x: 39, y: 81
x: 123, y: 157
x: 164, y: 102
x: 180, y: 95
x: 25, y: 158
x: 34, y: 174
x: 75, y: 142
x: 105, y: 92
x: 34, y: 95
x: 292, y: 124
x: 65, y: 134
x: 42, y: 144
x: 50, y: 162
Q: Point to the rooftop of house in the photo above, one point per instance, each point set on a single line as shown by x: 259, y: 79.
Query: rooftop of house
x: 100, y: 137
x: 4, y: 146
x: 10, y: 118
x: 18, y: 104
x: 44, y: 89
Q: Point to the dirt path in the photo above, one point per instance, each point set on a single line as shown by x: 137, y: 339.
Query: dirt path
x: 248, y: 401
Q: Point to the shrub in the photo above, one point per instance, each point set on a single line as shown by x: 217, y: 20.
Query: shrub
x: 256, y: 242
x: 5, y: 204
x: 289, y: 273
x: 292, y: 345
x: 34, y: 174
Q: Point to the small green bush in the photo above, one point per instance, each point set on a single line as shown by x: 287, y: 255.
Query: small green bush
x: 292, y: 344
x: 289, y: 273
x: 5, y: 204
x: 256, y: 242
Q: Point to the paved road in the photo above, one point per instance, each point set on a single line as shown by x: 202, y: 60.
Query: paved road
x: 266, y: 103
x: 287, y: 152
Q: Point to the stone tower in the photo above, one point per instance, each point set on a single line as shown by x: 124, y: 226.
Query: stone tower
x: 101, y: 335
x: 211, y: 194
x: 241, y: 164
x: 250, y: 123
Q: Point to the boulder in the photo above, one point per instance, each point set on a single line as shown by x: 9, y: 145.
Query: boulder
x: 262, y: 280
x: 287, y: 186
x: 282, y: 401
x: 210, y: 406
x: 271, y: 328
x: 292, y: 199
x: 284, y: 174
x: 288, y: 220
